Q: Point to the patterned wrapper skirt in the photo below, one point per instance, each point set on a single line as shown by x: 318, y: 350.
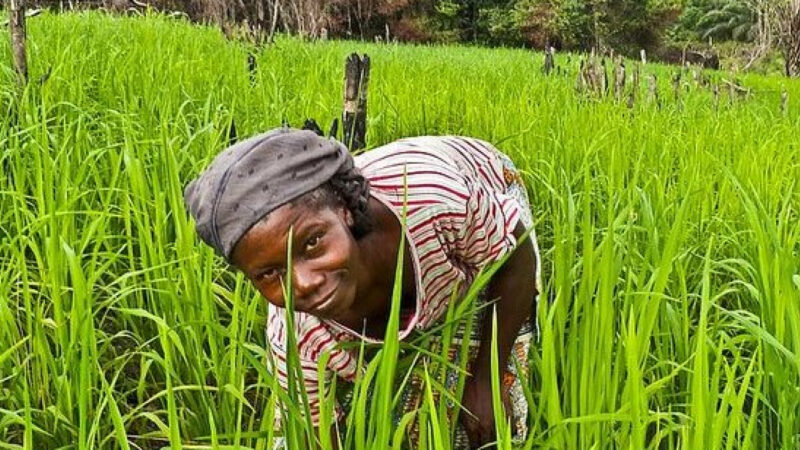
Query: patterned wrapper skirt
x: 516, y: 373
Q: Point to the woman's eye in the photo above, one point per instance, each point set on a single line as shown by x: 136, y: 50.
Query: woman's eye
x: 270, y: 274
x: 313, y: 242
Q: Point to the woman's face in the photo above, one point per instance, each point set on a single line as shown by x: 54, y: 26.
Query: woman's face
x: 324, y: 259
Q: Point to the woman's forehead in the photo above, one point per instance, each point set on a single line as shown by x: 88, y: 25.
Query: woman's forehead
x: 268, y: 238
x: 276, y: 226
x: 295, y: 216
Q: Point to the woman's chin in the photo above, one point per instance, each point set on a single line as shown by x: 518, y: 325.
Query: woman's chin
x: 348, y: 318
x: 330, y: 311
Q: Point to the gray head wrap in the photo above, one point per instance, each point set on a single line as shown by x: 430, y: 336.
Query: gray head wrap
x: 254, y: 177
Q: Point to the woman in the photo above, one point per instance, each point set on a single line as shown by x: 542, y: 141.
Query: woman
x: 466, y: 208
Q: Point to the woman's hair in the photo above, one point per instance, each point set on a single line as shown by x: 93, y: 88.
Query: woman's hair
x: 346, y: 188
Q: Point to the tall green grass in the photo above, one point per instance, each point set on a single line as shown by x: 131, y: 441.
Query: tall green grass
x: 670, y: 316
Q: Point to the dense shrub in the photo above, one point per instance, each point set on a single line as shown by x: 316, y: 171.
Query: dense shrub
x: 622, y: 25
x: 718, y: 20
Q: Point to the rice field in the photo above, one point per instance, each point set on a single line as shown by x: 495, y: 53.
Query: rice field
x: 670, y: 316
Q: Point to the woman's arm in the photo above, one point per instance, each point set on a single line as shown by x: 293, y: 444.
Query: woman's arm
x: 514, y: 288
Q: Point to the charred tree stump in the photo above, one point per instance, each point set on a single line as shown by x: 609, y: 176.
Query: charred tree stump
x: 252, y: 68
x: 676, y: 86
x: 634, y: 87
x: 614, y: 77
x: 736, y: 90
x: 16, y: 20
x: 604, y: 78
x: 333, y: 131
x: 591, y: 76
x: 784, y: 102
x: 619, y: 81
x: 580, y: 80
x: 354, y: 115
x: 654, y: 90
x: 312, y: 125
x: 731, y: 93
x: 792, y: 40
x: 548, y: 60
x: 233, y: 135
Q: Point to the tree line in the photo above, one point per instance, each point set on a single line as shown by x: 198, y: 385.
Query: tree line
x: 624, y: 26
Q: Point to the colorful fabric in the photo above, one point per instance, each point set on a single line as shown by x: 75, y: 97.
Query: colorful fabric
x: 461, y: 215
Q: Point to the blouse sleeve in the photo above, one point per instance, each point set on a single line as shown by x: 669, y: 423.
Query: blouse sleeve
x: 489, y: 222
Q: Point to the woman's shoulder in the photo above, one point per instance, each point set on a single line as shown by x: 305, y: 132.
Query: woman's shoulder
x: 413, y: 150
x: 453, y: 162
x: 461, y: 154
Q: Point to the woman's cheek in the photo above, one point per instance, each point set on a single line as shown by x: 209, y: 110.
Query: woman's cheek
x: 272, y: 295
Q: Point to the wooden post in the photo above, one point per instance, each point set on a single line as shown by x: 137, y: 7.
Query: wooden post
x: 548, y: 60
x: 731, y: 93
x: 634, y: 87
x: 333, y: 131
x: 580, y: 81
x: 354, y: 115
x: 619, y: 80
x: 614, y: 77
x: 631, y: 98
x: 233, y: 135
x: 311, y: 124
x: 252, y: 68
x: 588, y: 75
x: 592, y: 76
x: 16, y: 21
x: 654, y: 90
x: 643, y: 55
x: 603, y: 77
x: 676, y: 86
x: 716, y: 97
x: 784, y: 102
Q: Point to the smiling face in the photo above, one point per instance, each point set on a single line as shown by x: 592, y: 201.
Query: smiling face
x: 325, y: 259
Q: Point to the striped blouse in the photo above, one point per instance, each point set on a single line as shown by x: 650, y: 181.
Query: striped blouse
x: 459, y: 219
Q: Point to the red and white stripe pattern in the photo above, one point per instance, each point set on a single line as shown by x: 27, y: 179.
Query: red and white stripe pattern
x: 459, y: 219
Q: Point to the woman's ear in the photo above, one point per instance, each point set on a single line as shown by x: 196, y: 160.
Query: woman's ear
x: 348, y: 217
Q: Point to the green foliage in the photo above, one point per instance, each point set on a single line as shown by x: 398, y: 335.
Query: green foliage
x: 626, y: 25
x: 478, y: 21
x: 717, y: 19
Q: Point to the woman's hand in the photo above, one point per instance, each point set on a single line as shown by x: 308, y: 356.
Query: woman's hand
x: 514, y: 287
x: 477, y: 399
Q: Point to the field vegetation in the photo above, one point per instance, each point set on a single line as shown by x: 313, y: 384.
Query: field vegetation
x: 670, y: 233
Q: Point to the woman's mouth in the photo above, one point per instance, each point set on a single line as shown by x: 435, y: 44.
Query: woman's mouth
x: 325, y: 304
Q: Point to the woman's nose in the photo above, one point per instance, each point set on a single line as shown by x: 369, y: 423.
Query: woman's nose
x: 306, y: 282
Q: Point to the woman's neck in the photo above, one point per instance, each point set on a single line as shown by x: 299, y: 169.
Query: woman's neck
x: 378, y: 250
